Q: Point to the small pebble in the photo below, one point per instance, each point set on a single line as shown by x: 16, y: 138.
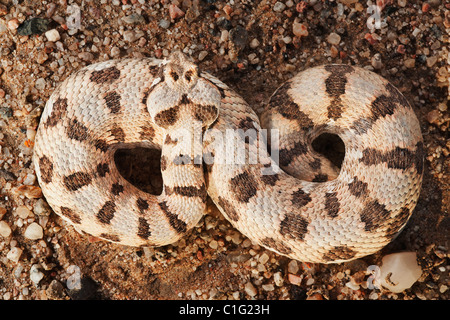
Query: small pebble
x: 250, y: 289
x: 23, y: 212
x: 376, y: 61
x: 86, y: 56
x: 134, y: 18
x: 31, y: 192
x: 254, y: 43
x: 299, y: 29
x: 132, y: 35
x: 41, y: 208
x: 14, y: 254
x: 399, y: 271
x: 34, y: 232
x: 213, y: 244
x: 433, y: 116
x: 268, y: 287
x: 5, y: 229
x: 13, y: 24
x: 41, y: 57
x: 202, y: 55
x: 294, y: 279
x: 315, y: 296
x: 278, y: 279
x: 410, y: 63
x: 35, y: 274
x: 3, y: 10
x: 175, y: 12
x: 293, y: 267
x: 115, y: 52
x: 40, y: 84
x: 163, y: 23
x: 239, y: 37
x: 52, y: 35
x: 352, y: 285
x: 431, y: 61
x: 29, y: 178
x: 334, y: 38
x: 55, y: 290
x: 263, y: 258
x: 279, y: 6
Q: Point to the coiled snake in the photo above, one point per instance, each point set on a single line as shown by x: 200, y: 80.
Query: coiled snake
x: 299, y: 205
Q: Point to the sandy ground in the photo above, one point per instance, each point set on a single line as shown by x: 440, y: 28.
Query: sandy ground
x: 253, y: 46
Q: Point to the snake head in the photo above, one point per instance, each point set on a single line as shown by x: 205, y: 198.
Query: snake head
x: 179, y: 94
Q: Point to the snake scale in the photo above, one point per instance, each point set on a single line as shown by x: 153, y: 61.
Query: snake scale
x: 291, y: 200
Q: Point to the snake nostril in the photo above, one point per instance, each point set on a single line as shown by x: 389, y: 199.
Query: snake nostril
x: 141, y: 167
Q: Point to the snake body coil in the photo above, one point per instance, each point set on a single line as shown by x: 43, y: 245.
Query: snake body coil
x: 301, y: 206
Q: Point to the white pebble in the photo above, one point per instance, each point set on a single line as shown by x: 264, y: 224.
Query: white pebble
x: 52, y: 35
x: 35, y: 274
x: 293, y: 267
x: 14, y: 254
x: 29, y: 179
x: 5, y: 229
x: 34, y: 232
x: 40, y: 84
x: 250, y: 289
x: 299, y: 29
x: 213, y: 244
x: 278, y: 279
x: 115, y: 52
x: 23, y: 212
x: 268, y: 287
x: 334, y: 38
x: 86, y: 56
x: 263, y: 258
x: 352, y: 285
x: 279, y: 6
x: 254, y: 43
x: 202, y: 55
x: 399, y: 271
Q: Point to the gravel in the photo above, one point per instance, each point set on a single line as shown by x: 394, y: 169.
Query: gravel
x: 253, y: 49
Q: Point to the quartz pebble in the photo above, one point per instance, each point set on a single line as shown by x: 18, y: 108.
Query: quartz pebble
x: 399, y: 271
x: 334, y: 38
x: 294, y: 279
x: 279, y: 6
x: 86, y: 56
x: 250, y: 289
x: 278, y: 279
x: 164, y: 23
x: 175, y: 12
x: 35, y: 274
x: 293, y: 266
x: 34, y: 232
x: 299, y: 29
x: 52, y: 35
x: 40, y: 84
x: 13, y: 24
x: 23, y: 212
x: 14, y: 254
x: 202, y: 55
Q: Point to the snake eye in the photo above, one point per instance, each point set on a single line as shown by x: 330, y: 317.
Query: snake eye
x: 174, y: 75
x: 188, y: 75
